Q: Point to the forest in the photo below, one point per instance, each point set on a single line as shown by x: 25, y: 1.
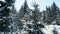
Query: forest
x: 29, y: 21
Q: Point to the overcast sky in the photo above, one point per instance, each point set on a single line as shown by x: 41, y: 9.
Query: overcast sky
x: 42, y: 3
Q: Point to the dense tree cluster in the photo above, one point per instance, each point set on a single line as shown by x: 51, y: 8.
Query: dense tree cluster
x: 30, y: 21
x: 51, y: 14
x: 4, y: 16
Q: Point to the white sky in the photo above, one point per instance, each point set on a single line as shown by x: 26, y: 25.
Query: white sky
x: 42, y: 3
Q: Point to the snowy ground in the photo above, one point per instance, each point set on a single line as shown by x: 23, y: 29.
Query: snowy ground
x: 47, y: 30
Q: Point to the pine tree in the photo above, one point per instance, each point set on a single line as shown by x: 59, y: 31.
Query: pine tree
x: 55, y: 11
x: 4, y: 16
x: 51, y: 13
x: 24, y: 9
x: 35, y: 15
x: 21, y: 12
x: 4, y: 11
x: 24, y: 16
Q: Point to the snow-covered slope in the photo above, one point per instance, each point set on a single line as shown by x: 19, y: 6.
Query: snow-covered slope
x: 49, y: 29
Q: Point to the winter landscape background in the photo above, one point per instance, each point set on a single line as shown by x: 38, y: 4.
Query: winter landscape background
x: 18, y: 17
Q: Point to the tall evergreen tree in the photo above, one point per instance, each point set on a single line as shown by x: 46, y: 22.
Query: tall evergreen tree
x: 35, y: 14
x: 24, y: 9
x: 55, y: 11
x: 51, y: 13
x: 4, y: 16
